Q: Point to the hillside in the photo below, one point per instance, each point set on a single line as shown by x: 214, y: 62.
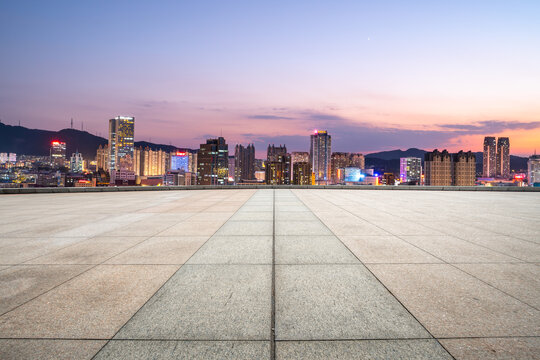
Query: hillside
x: 26, y: 141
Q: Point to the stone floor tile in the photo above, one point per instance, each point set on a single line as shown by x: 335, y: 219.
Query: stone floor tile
x: 451, y: 303
x: 304, y: 228
x: 93, y: 305
x: 207, y: 302
x: 251, y: 249
x: 294, y: 249
x: 519, y: 280
x: 386, y: 249
x: 32, y: 349
x: 208, y: 350
x: 246, y: 228
x: 453, y: 250
x: 333, y: 302
x: 161, y: 250
x: 91, y: 251
x: 493, y: 348
x: 428, y: 349
x: 24, y: 282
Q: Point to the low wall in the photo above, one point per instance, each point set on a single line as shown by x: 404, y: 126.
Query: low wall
x: 230, y: 187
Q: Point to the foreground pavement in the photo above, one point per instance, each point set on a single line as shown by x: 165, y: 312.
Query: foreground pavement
x: 262, y: 274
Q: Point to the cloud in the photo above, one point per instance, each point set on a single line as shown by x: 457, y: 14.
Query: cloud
x: 491, y: 126
x: 269, y: 117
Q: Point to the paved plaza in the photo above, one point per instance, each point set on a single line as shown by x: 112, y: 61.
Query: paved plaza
x: 270, y: 273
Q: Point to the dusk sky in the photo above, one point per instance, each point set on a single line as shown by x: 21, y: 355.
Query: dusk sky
x: 378, y: 75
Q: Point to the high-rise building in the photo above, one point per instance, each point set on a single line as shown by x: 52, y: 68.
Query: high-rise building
x: 438, y: 168
x: 121, y: 143
x: 244, y: 163
x: 102, y: 158
x: 463, y: 169
x: 503, y: 157
x: 76, y: 163
x: 320, y: 156
x: 533, y: 170
x: 299, y: 157
x: 410, y: 170
x: 150, y: 162
x: 490, y: 157
x: 213, y: 162
x: 278, y: 166
x: 341, y: 160
x: 58, y: 153
x: 231, y: 168
x: 302, y: 173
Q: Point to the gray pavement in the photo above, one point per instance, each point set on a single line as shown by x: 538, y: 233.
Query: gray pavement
x: 270, y: 273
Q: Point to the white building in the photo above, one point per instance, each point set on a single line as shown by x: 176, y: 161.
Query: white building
x: 76, y: 163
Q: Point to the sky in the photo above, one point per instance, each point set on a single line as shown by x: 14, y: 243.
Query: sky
x: 378, y: 75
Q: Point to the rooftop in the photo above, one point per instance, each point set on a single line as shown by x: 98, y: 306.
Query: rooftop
x: 270, y: 273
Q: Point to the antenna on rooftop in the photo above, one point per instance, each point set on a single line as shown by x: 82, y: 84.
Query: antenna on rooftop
x: 72, y: 123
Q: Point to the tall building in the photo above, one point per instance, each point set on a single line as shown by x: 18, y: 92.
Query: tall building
x: 438, y: 168
x: 503, y: 157
x: 148, y: 162
x: 58, y: 153
x: 301, y: 173
x: 102, y: 158
x: 244, y: 163
x: 121, y: 143
x: 278, y: 166
x: 320, y: 155
x: 231, y: 168
x: 490, y: 157
x: 410, y: 170
x: 341, y: 160
x: 533, y: 170
x: 76, y: 163
x: 213, y: 162
x: 463, y: 169
x: 298, y: 156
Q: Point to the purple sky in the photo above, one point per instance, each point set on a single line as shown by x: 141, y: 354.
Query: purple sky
x: 378, y: 75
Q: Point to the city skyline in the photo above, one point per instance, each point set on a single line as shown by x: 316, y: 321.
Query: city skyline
x: 376, y: 77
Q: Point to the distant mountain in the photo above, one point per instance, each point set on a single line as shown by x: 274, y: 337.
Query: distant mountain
x: 396, y: 154
x: 26, y: 141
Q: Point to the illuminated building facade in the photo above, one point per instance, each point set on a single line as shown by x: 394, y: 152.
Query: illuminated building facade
x: 438, y: 168
x: 58, y: 153
x: 244, y: 163
x: 302, y: 173
x: 278, y: 166
x: 76, y: 163
x: 180, y: 160
x: 213, y: 162
x: 533, y: 170
x: 463, y: 169
x: 490, y: 157
x: 320, y: 156
x: 8, y: 157
x: 341, y: 160
x: 150, y: 162
x: 102, y: 157
x: 121, y: 143
x: 503, y: 157
x: 410, y: 170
